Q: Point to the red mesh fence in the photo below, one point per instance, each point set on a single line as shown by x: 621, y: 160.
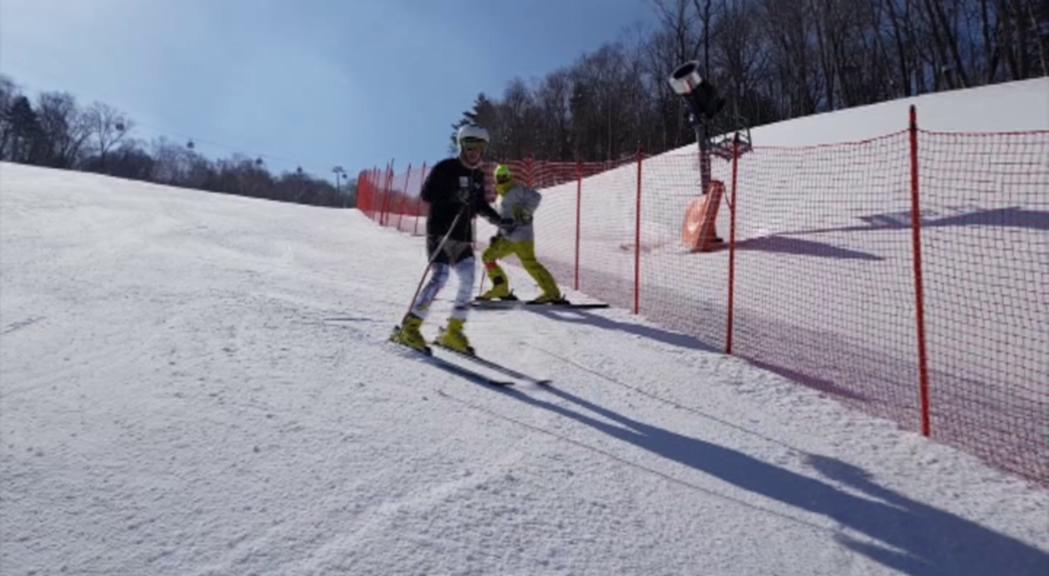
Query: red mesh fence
x: 368, y: 193
x: 985, y: 242
x: 604, y: 220
x: 541, y: 174
x: 824, y: 287
x: 393, y: 199
x: 825, y: 263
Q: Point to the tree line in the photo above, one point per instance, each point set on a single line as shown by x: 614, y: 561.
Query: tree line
x: 771, y: 60
x: 54, y: 131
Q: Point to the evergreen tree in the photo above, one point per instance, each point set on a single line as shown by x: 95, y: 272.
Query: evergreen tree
x: 26, y: 143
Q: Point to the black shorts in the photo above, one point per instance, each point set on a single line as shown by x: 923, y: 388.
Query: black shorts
x: 453, y: 251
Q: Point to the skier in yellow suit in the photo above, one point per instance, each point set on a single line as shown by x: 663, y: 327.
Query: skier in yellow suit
x: 518, y: 203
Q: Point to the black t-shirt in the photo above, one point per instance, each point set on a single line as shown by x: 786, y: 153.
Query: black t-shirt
x: 441, y: 190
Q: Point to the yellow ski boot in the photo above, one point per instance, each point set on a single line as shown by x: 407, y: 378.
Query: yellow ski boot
x: 500, y: 291
x: 409, y: 335
x: 453, y: 337
x: 555, y: 298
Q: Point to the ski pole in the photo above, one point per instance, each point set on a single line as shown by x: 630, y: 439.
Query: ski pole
x: 433, y: 256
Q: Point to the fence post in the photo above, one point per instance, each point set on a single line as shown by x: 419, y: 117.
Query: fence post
x: 578, y: 213
x: 387, y: 184
x: 362, y: 186
x: 377, y: 193
x: 919, y: 295
x: 732, y: 247
x: 377, y: 201
x: 374, y: 193
x: 385, y: 195
x: 390, y: 194
x: 380, y: 192
x: 637, y: 240
x: 377, y: 198
x: 419, y: 202
x: 404, y: 198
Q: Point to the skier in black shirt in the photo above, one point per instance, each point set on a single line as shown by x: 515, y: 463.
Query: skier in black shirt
x: 455, y: 191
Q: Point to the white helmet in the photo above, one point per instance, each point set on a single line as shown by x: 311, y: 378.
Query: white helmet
x: 470, y: 132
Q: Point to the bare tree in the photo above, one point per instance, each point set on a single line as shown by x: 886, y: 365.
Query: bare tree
x: 678, y: 20
x: 1024, y: 36
x: 602, y: 85
x: 108, y: 126
x: 552, y: 99
x: 64, y: 128
x: 944, y: 32
x: 658, y: 61
x: 741, y: 54
x: 518, y: 121
x: 792, y: 53
x: 179, y: 165
x: 1039, y: 19
x: 773, y: 60
x: 704, y: 12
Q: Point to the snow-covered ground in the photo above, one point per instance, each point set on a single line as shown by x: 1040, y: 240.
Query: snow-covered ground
x: 193, y: 384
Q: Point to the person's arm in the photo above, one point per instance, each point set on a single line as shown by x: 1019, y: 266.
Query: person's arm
x: 531, y: 200
x: 482, y: 207
x: 433, y: 188
x: 525, y: 201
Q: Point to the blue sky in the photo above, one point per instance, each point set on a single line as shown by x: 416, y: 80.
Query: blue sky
x: 301, y: 82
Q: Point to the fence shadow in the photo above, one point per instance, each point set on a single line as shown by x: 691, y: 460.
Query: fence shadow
x: 785, y: 245
x: 1013, y: 217
x: 824, y: 385
x: 577, y: 316
x: 908, y: 536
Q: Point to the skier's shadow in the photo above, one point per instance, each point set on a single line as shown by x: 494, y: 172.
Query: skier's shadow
x: 911, y: 537
x: 578, y: 316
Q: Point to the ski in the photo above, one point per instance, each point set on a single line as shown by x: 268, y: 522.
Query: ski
x: 512, y: 304
x: 518, y: 375
x: 451, y: 367
x: 464, y: 372
x: 580, y: 306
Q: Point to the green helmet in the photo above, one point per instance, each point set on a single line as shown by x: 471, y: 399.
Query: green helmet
x: 504, y: 179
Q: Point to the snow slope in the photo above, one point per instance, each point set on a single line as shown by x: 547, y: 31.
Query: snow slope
x: 194, y: 383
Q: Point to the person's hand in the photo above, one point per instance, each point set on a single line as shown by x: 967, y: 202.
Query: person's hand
x: 462, y: 196
x: 521, y: 215
x: 507, y: 225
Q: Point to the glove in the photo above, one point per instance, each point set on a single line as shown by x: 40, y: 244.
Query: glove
x: 507, y: 225
x: 462, y: 196
x: 521, y: 215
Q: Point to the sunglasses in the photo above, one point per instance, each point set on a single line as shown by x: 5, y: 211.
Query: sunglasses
x: 473, y: 144
x: 503, y: 179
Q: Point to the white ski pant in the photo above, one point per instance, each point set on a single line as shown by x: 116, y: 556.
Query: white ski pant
x: 464, y: 269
